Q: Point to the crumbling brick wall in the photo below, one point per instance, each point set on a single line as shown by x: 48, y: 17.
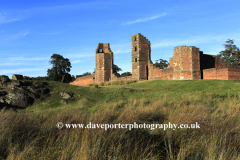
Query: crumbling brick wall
x: 103, y: 63
x: 186, y: 63
x: 82, y: 81
x: 126, y: 78
x: 157, y: 73
x: 222, y: 74
x: 141, y: 55
x: 233, y: 74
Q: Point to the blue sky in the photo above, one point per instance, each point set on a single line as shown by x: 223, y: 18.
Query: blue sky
x: 32, y: 31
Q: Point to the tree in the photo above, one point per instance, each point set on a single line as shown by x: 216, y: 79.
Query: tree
x: 126, y: 74
x: 231, y: 54
x: 61, y: 67
x: 116, y: 69
x: 162, y: 63
x: 84, y: 74
x: 73, y: 78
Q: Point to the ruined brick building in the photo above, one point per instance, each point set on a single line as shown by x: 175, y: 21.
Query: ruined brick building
x: 187, y: 63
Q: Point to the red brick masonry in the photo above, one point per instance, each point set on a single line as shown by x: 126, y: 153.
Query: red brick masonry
x: 187, y: 63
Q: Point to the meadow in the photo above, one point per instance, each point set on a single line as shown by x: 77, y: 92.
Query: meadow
x: 214, y: 104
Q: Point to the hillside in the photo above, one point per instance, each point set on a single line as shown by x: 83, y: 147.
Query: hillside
x: 213, y: 104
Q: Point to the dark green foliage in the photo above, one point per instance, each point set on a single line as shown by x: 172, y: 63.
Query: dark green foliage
x: 126, y: 74
x: 84, y: 74
x: 68, y: 78
x: 73, y: 78
x: 231, y: 54
x: 46, y: 78
x: 162, y: 63
x: 61, y: 66
x: 116, y: 69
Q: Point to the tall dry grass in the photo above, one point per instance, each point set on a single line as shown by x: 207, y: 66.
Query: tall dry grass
x: 26, y: 135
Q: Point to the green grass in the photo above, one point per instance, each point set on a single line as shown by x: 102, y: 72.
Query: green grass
x: 214, y: 104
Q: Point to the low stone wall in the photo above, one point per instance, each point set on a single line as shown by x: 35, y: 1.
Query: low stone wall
x: 213, y: 73
x: 82, y: 81
x: 126, y: 78
x: 233, y: 74
x: 157, y: 73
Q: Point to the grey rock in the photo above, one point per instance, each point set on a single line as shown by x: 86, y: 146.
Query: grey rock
x: 13, y: 84
x: 32, y: 89
x: 2, y: 93
x: 64, y: 101
x: 2, y: 99
x: 17, y: 77
x: 19, y: 98
x: 66, y: 94
x: 4, y: 79
x: 20, y: 94
x: 45, y: 91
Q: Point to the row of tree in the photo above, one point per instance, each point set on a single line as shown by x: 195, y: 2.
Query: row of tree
x: 61, y: 66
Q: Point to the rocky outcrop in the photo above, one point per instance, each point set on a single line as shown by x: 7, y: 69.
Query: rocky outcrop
x: 66, y: 95
x: 20, y: 94
x: 17, y: 77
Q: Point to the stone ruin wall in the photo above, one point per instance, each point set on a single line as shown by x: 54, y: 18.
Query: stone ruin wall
x: 103, y: 63
x: 85, y: 80
x: 187, y: 63
x: 220, y: 70
x: 140, y: 56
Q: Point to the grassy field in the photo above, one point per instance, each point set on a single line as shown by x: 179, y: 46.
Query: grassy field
x: 214, y: 104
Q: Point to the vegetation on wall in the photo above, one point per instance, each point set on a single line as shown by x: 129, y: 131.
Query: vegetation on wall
x: 161, y: 63
x: 84, y: 74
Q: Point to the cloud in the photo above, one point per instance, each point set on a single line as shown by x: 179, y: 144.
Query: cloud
x: 4, y: 18
x: 53, y: 9
x: 193, y: 40
x: 14, y: 71
x: 76, y: 61
x: 26, y: 59
x: 122, y: 51
x: 121, y: 48
x: 4, y: 39
x: 143, y: 19
x: 78, y: 55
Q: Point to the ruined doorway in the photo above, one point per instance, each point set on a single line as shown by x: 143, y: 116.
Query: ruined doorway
x: 146, y: 72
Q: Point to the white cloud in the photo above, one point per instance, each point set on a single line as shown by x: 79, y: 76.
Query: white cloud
x: 4, y: 39
x: 143, y: 19
x: 72, y: 6
x: 78, y: 55
x: 14, y: 71
x: 76, y: 61
x: 193, y: 40
x: 121, y: 48
x: 4, y: 18
x: 26, y: 58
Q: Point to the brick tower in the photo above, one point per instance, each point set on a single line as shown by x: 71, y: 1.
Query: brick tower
x: 103, y: 63
x: 141, y: 56
x: 186, y: 63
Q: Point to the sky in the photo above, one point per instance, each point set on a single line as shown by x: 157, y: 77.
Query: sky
x: 32, y: 31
